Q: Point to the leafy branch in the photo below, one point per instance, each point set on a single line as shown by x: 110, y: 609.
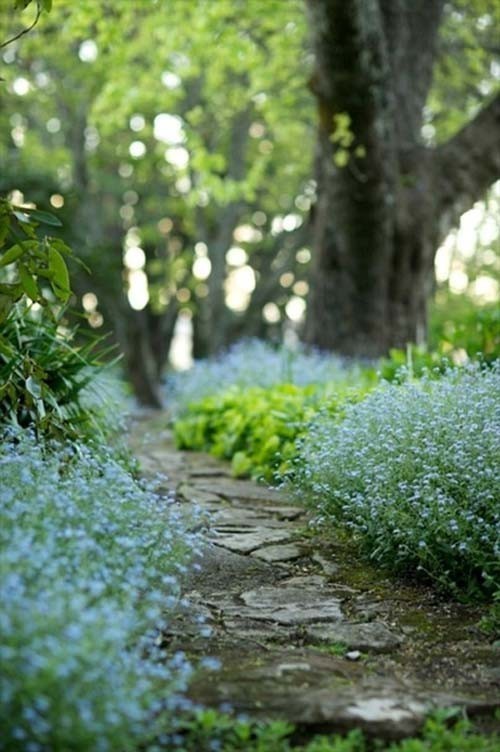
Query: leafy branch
x: 23, y: 4
x: 30, y: 260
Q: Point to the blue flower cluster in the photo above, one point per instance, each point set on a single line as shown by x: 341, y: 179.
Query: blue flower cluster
x: 413, y: 472
x: 89, y: 567
x: 256, y: 363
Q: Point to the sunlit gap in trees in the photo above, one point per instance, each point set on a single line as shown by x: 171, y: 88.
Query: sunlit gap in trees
x: 89, y: 305
x: 476, y: 237
x: 134, y: 261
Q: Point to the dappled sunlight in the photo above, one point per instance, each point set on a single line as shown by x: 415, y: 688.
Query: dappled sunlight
x: 474, y: 244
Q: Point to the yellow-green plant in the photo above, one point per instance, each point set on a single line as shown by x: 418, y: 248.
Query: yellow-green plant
x: 258, y: 428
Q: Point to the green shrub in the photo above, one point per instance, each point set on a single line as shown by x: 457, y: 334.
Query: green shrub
x: 43, y: 377
x: 43, y: 374
x: 258, y: 428
x: 412, y: 471
x: 253, y: 362
x: 32, y: 266
x: 458, y: 331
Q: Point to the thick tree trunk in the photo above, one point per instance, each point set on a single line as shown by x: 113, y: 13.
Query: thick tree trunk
x: 376, y: 220
x: 380, y: 217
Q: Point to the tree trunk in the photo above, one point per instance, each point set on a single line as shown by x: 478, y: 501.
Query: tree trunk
x: 374, y: 224
x: 146, y: 338
x: 140, y: 359
x: 373, y: 260
x: 214, y: 318
x: 383, y: 195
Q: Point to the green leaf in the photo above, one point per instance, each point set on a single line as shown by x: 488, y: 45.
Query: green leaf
x: 12, y: 254
x: 13, y: 291
x: 4, y: 228
x: 60, y: 246
x: 28, y: 283
x: 60, y: 276
x: 45, y: 218
x: 47, y: 5
x: 6, y: 304
x: 341, y: 157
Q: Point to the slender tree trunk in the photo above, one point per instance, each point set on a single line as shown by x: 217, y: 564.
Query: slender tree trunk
x: 214, y: 318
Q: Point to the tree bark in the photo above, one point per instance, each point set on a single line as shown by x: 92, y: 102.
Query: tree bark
x: 378, y: 218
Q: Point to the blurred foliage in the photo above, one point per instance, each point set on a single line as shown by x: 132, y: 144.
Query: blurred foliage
x: 139, y: 136
x: 92, y: 104
x: 459, y: 331
x: 457, y: 325
x: 468, y: 65
x: 414, y: 362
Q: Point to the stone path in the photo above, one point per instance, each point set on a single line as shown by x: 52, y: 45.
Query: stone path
x: 302, y: 629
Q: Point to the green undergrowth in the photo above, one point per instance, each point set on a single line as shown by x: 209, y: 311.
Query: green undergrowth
x: 258, y: 428
x: 210, y: 730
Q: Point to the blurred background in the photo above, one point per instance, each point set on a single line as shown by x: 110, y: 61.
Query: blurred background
x: 175, y: 140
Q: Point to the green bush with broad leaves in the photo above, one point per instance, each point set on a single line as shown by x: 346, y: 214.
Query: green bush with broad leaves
x: 34, y: 266
x: 258, y: 428
x: 43, y: 375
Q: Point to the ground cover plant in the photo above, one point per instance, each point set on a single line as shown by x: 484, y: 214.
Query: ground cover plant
x: 89, y: 556
x: 442, y: 732
x: 89, y: 567
x: 257, y: 428
x: 412, y: 472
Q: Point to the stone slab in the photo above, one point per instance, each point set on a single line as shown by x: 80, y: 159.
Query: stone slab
x: 289, y: 605
x: 286, y: 552
x: 197, y: 495
x: 241, y: 489
x: 283, y: 512
x: 230, y: 515
x: 327, y: 565
x: 373, y: 636
x: 245, y: 543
